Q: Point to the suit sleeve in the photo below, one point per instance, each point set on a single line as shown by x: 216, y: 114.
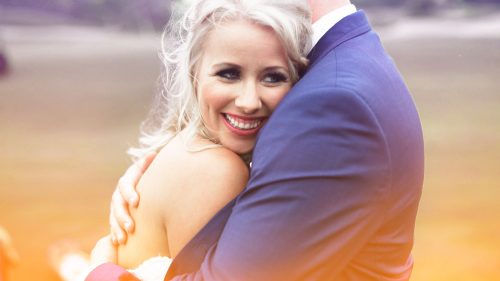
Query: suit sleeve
x: 317, y: 194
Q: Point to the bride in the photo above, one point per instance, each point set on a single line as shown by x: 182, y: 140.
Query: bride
x: 233, y: 62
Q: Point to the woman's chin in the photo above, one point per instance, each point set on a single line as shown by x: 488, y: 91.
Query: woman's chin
x: 241, y: 148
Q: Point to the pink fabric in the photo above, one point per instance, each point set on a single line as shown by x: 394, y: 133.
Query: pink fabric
x: 110, y: 272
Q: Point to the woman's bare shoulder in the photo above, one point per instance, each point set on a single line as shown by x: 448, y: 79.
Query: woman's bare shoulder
x: 215, y: 168
x: 212, y: 178
x: 179, y: 176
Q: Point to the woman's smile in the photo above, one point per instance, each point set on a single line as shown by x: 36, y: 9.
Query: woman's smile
x: 243, y: 126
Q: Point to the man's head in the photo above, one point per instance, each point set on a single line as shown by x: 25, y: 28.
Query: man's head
x: 320, y: 8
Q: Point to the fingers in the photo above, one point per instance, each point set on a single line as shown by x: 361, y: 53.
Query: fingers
x: 125, y: 196
x: 127, y: 184
x: 119, y: 219
x: 120, y: 212
x: 118, y: 235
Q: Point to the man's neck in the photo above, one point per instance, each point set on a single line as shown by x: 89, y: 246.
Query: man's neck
x: 320, y: 8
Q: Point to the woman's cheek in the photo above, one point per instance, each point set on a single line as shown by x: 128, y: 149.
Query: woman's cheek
x: 216, y: 96
x: 276, y: 96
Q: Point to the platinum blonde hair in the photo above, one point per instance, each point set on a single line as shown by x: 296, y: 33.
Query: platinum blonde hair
x: 176, y: 107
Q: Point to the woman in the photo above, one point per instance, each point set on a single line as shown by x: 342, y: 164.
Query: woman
x: 233, y: 63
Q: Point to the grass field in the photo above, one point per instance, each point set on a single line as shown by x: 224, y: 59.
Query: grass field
x: 72, y: 105
x: 457, y: 91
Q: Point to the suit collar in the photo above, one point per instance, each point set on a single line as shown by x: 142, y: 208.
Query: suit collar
x: 323, y: 24
x: 346, y: 29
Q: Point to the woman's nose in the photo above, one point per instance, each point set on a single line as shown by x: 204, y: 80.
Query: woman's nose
x: 248, y: 100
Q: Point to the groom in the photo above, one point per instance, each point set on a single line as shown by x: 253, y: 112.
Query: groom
x: 336, y: 177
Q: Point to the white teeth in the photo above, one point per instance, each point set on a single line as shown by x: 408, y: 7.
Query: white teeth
x: 242, y: 124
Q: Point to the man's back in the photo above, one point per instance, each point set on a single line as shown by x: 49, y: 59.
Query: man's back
x: 337, y: 172
x: 364, y: 70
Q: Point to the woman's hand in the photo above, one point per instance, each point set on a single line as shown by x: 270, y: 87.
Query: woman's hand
x: 124, y: 197
x: 104, y: 251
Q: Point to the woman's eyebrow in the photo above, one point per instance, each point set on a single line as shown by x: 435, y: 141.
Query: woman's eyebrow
x: 225, y: 65
x: 277, y: 67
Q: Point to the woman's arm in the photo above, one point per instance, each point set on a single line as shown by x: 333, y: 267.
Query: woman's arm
x: 180, y: 192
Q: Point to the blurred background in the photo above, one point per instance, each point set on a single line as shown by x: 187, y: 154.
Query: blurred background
x: 77, y: 77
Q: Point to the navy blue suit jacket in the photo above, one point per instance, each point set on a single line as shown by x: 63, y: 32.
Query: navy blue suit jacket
x: 336, y: 178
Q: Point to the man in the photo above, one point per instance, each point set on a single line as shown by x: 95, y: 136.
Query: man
x: 336, y: 177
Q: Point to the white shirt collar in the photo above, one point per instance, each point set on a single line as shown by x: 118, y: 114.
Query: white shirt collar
x: 322, y: 25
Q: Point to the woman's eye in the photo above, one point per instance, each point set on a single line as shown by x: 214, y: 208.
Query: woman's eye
x: 275, y: 77
x: 229, y: 74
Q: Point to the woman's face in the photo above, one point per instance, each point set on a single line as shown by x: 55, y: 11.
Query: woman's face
x: 242, y: 76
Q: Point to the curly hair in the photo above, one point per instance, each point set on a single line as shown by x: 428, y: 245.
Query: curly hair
x: 175, y: 106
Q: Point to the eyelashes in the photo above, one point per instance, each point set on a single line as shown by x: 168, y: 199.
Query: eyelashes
x: 271, y: 77
x: 230, y: 74
x: 275, y: 77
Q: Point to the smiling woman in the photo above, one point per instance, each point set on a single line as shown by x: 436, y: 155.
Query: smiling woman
x: 236, y: 61
x: 232, y: 65
x: 239, y: 83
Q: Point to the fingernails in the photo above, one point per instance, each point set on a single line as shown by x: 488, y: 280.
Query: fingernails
x: 134, y: 200
x: 113, y: 240
x: 128, y: 227
x: 120, y: 238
